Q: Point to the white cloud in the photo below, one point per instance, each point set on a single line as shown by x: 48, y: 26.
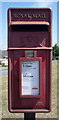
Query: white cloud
x: 29, y: 1
x: 45, y: 1
x: 41, y: 4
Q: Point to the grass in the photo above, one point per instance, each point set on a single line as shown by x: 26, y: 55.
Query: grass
x: 4, y: 95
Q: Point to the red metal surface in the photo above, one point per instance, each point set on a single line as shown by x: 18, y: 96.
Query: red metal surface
x: 24, y: 37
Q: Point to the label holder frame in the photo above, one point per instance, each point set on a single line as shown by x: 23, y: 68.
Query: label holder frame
x: 20, y: 76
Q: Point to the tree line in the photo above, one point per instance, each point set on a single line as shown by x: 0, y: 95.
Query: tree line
x: 56, y: 52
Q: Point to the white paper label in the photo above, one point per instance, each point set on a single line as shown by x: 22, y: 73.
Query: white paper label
x: 30, y: 77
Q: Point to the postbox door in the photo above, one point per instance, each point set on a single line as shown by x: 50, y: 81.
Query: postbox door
x: 28, y: 101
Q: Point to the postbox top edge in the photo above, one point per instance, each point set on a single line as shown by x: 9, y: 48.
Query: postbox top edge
x: 32, y: 8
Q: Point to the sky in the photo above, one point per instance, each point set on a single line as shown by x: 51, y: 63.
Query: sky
x: 58, y: 23
x: 3, y: 15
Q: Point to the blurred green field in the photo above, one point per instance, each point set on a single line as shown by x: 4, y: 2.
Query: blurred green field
x: 4, y: 96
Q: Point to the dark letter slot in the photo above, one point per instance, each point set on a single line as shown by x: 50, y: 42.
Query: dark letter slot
x: 27, y: 28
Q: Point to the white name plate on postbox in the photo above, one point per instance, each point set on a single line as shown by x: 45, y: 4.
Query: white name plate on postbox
x: 30, y: 77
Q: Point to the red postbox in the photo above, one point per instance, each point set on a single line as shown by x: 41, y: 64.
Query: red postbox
x: 29, y: 59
